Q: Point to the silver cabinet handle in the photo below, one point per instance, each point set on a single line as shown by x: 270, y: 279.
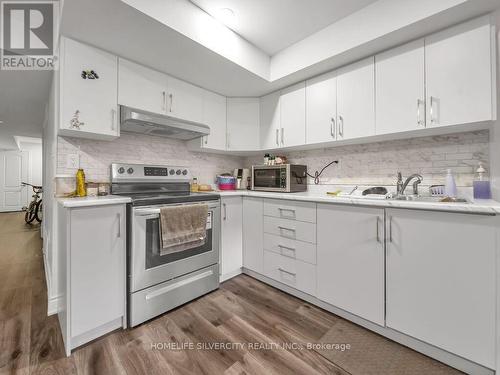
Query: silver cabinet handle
x: 332, y: 127
x: 119, y: 234
x: 341, y: 126
x: 285, y: 271
x: 390, y: 229
x: 164, y: 101
x: 277, y: 137
x: 113, y: 119
x: 225, y: 211
x: 378, y: 230
x: 206, y: 139
x: 432, y: 109
x: 282, y: 136
x: 282, y: 247
x: 419, y: 120
x: 281, y: 210
x: 285, y: 228
x: 171, y: 97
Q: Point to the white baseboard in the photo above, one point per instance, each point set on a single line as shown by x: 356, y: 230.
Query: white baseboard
x: 230, y: 275
x: 52, y: 301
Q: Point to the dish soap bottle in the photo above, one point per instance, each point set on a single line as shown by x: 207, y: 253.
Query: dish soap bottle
x: 80, y: 183
x: 194, y: 185
x: 450, y: 187
x: 481, y: 186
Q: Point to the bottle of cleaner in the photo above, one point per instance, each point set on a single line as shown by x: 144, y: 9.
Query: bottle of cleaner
x: 81, y: 191
x: 450, y: 187
x: 481, y: 185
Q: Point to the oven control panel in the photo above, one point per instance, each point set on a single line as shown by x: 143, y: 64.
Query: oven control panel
x: 140, y: 172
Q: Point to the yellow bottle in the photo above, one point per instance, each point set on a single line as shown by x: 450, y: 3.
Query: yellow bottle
x: 194, y: 185
x: 80, y: 183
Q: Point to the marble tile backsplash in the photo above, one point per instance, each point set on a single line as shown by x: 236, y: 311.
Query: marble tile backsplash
x: 367, y: 164
x: 377, y: 163
x: 96, y: 156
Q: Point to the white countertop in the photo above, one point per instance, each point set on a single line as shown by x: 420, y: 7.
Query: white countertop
x: 93, y: 201
x: 488, y: 206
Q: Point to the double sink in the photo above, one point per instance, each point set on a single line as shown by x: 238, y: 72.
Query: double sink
x: 418, y: 198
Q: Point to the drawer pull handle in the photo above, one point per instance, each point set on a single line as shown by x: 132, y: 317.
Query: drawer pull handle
x: 286, y: 248
x: 281, y: 210
x: 285, y: 228
x: 287, y: 272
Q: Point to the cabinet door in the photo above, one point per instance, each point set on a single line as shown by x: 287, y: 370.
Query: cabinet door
x: 214, y: 115
x: 350, y: 259
x: 243, y: 124
x: 97, y: 267
x: 184, y: 101
x: 293, y: 115
x: 253, y: 234
x: 459, y: 75
x: 232, y: 240
x: 321, y: 109
x: 270, y: 121
x: 441, y: 279
x: 93, y: 102
x: 142, y: 88
x: 399, y: 89
x: 356, y: 100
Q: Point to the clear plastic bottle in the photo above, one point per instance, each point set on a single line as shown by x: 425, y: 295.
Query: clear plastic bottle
x: 450, y: 187
x: 481, y: 186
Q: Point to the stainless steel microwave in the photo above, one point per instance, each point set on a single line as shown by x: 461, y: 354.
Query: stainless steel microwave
x: 285, y: 178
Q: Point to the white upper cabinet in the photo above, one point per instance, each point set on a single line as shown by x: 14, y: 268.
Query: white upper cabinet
x: 88, y: 102
x: 399, y: 89
x: 243, y: 117
x: 293, y: 115
x: 142, y: 88
x: 270, y: 121
x: 184, y: 101
x: 350, y: 260
x: 356, y: 100
x: 460, y: 74
x: 214, y: 115
x: 321, y: 108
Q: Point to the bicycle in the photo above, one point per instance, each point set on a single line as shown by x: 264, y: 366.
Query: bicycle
x: 35, y: 208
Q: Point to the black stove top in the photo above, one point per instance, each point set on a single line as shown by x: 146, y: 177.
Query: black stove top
x: 141, y: 199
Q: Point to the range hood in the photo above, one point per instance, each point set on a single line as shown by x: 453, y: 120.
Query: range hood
x: 143, y: 122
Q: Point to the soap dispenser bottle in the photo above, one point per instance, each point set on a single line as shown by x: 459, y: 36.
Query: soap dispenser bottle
x: 450, y: 187
x: 481, y: 185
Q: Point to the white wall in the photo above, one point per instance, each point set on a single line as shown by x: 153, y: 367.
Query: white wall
x: 35, y: 163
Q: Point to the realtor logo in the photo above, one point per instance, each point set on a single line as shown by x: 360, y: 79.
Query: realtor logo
x: 28, y: 34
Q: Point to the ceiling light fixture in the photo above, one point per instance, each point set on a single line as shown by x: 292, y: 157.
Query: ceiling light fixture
x: 226, y: 16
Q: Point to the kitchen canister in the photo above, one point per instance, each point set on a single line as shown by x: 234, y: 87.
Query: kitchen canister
x: 226, y: 182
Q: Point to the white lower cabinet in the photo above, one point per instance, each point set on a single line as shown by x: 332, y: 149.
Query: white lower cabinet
x: 441, y: 278
x: 297, y: 274
x: 232, y: 240
x: 350, y: 260
x: 253, y: 234
x: 93, y: 246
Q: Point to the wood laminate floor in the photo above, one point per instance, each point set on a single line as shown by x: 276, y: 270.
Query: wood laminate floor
x: 250, y: 321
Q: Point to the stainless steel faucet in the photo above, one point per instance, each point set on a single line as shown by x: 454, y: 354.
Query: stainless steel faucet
x: 401, y: 186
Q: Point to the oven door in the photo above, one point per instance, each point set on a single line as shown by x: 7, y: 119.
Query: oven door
x: 149, y: 267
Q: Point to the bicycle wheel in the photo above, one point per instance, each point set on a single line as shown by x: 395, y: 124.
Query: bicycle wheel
x: 39, y: 211
x: 30, y: 213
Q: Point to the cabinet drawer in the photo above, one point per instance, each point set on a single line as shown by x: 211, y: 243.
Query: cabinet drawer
x: 292, y: 229
x: 299, y: 250
x: 302, y: 211
x: 297, y: 274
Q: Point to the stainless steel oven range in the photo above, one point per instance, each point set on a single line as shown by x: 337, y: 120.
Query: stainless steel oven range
x: 159, y: 281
